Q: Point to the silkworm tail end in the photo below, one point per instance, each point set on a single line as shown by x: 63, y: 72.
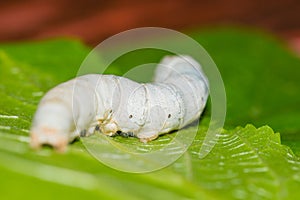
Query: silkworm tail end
x: 59, y: 143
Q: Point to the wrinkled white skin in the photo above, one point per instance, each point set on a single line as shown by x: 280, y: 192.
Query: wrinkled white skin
x: 176, y: 98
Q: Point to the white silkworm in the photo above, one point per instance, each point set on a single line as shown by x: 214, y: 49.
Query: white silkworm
x: 115, y: 104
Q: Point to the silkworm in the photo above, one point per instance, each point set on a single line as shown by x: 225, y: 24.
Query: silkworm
x: 114, y: 105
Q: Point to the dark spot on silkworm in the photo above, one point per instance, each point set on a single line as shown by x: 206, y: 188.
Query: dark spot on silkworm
x: 130, y: 116
x: 131, y: 134
x: 75, y: 140
x: 169, y: 115
x: 173, y: 131
x: 110, y: 111
x: 83, y: 133
x: 45, y: 145
x: 126, y: 135
x: 97, y: 128
x: 114, y: 135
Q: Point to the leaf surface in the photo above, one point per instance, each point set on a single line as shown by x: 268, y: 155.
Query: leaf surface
x: 261, y: 80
